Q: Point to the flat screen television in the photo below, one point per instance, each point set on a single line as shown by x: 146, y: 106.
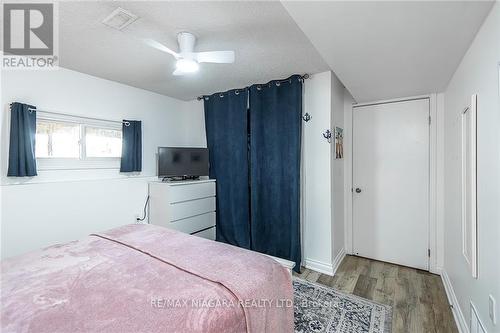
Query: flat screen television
x: 182, y: 162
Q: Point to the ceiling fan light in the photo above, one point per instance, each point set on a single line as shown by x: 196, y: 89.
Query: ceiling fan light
x: 187, y: 65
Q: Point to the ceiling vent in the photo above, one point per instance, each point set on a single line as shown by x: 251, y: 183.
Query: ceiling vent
x: 119, y: 19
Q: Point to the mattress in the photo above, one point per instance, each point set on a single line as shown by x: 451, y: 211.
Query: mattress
x: 144, y: 278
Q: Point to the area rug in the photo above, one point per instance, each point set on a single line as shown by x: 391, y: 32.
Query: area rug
x: 319, y: 308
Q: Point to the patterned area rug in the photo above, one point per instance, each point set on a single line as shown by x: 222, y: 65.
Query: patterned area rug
x: 318, y: 308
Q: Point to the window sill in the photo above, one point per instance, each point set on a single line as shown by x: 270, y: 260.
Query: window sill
x: 76, y: 176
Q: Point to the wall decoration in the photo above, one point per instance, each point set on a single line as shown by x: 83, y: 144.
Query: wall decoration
x: 327, y: 135
x: 339, y: 142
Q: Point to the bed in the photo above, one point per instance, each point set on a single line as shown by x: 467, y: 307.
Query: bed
x: 144, y: 278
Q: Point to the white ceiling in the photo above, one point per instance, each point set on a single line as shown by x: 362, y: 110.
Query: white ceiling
x: 379, y: 50
x: 384, y: 50
x: 267, y: 42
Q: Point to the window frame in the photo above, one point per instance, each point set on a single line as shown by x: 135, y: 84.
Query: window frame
x: 82, y: 162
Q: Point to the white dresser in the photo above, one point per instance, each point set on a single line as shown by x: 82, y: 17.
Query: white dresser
x: 187, y: 206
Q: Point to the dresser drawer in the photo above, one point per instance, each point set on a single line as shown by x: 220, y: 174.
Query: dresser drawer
x: 193, y: 224
x: 186, y: 192
x: 191, y: 208
x: 208, y: 233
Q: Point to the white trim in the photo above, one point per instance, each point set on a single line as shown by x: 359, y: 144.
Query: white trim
x: 329, y: 269
x: 70, y: 118
x: 434, y: 220
x: 455, y: 307
x: 393, y: 100
x: 319, y: 266
x: 348, y: 181
x: 474, y: 315
x: 470, y: 258
x: 433, y: 184
x: 338, y: 260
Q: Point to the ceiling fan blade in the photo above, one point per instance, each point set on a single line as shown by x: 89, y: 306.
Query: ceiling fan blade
x: 161, y: 47
x: 219, y: 57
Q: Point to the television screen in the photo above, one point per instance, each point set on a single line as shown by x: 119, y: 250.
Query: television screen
x: 176, y: 162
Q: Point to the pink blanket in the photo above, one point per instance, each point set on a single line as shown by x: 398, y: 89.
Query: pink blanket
x: 143, y: 278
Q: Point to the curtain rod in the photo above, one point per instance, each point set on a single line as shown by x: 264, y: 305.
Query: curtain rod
x: 303, y: 77
x: 82, y: 117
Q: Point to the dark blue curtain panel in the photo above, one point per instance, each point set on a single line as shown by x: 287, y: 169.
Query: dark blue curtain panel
x: 227, y: 140
x: 131, y: 160
x: 275, y: 148
x: 22, y: 160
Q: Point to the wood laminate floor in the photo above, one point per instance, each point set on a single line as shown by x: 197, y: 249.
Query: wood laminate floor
x: 418, y: 298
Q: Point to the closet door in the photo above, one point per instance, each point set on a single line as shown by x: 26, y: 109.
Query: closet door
x: 391, y: 182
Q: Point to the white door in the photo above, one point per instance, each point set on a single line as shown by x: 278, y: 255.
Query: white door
x: 391, y: 182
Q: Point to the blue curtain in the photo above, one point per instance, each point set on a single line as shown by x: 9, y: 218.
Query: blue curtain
x: 275, y: 146
x: 227, y: 140
x: 22, y: 160
x: 131, y: 146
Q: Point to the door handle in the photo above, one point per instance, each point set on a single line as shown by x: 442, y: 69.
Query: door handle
x: 358, y: 190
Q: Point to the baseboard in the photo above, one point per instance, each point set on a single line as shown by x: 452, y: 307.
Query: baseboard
x: 319, y: 266
x: 436, y: 270
x: 452, y: 298
x: 338, y: 259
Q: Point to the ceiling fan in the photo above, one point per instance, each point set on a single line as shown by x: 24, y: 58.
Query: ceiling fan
x: 187, y: 60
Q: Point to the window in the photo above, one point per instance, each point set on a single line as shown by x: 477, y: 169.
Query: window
x: 57, y: 139
x: 68, y: 142
x: 103, y: 142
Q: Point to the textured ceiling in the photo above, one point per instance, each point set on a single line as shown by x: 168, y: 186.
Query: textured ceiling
x: 384, y: 50
x: 267, y: 42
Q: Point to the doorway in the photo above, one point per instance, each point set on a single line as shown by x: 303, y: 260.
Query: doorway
x: 390, y: 203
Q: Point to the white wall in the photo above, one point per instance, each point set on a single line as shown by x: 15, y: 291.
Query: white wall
x: 59, y: 206
x: 317, y: 224
x: 68, y: 204
x: 477, y: 73
x: 337, y: 168
x: 194, y: 123
x: 323, y: 189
